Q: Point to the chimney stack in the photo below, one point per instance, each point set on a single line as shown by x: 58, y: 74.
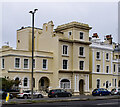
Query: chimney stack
x: 95, y: 35
x: 109, y: 38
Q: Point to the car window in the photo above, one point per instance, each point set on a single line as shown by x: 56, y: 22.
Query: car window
x: 95, y: 89
x: 62, y: 90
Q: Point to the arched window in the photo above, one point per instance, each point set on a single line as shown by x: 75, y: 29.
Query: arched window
x: 98, y: 83
x: 65, y: 83
x: 25, y: 82
x: 107, y: 84
x: 16, y: 81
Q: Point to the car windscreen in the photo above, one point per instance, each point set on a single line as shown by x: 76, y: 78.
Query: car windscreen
x: 95, y: 90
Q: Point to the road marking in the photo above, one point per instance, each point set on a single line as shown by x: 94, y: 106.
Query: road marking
x: 108, y: 103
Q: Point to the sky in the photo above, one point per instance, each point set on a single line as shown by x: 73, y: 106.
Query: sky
x: 101, y: 16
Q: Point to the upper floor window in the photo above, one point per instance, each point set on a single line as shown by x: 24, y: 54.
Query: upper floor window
x: 81, y: 65
x: 65, y: 64
x: 107, y: 56
x: 33, y: 63
x: 17, y: 62
x: 65, y: 49
x: 25, y: 63
x: 118, y: 67
x: 114, y: 67
x: 81, y: 51
x: 81, y: 35
x: 97, y: 55
x: 3, y: 63
x: 44, y: 63
x: 98, y: 68
x: 107, y: 69
x: 69, y: 34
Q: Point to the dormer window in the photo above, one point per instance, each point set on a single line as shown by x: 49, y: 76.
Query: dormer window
x: 81, y: 35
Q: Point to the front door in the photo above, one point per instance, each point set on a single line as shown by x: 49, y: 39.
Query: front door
x: 81, y: 86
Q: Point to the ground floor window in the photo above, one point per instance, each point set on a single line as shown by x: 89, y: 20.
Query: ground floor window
x: 107, y: 85
x: 25, y: 82
x: 65, y: 83
x: 98, y: 83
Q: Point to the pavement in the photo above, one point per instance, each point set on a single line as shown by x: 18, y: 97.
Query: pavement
x: 60, y: 99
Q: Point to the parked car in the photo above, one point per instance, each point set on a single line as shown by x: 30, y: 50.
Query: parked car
x: 59, y: 93
x: 100, y: 92
x: 115, y: 91
x: 3, y: 95
x: 27, y: 94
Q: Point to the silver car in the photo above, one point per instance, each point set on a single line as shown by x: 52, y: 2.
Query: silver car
x: 27, y: 94
x: 115, y: 91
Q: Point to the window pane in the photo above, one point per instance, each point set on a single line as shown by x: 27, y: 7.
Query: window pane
x: 25, y: 63
x: 17, y: 62
x: 81, y: 51
x: 81, y: 35
x: 44, y: 63
x: 65, y: 49
x: 64, y: 64
x: 81, y: 65
x: 25, y: 81
x: 3, y: 63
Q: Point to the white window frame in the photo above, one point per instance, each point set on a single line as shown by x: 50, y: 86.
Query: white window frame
x: 63, y: 50
x: 24, y: 63
x: 27, y: 82
x: 67, y: 64
x: 61, y: 80
x: 83, y: 51
x: 99, y: 68
x: 108, y: 69
x: 99, y: 56
x: 83, y: 35
x: 83, y: 65
x: 15, y: 63
x: 2, y: 63
x: 46, y: 64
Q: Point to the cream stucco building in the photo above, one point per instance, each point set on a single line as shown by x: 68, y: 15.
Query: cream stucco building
x: 101, y: 63
x: 61, y: 58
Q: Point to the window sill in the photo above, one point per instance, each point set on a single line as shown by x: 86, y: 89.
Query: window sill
x: 17, y: 68
x: 81, y: 56
x: 25, y: 68
x: 98, y: 59
x: 107, y: 60
x: 65, y: 55
x: 44, y: 69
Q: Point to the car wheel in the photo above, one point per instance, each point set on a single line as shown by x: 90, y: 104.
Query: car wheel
x: 25, y: 96
x: 39, y: 96
x: 56, y: 96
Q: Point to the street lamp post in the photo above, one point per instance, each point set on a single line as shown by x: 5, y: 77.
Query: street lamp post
x: 32, y: 12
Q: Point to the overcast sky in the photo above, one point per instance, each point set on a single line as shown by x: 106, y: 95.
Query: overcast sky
x: 101, y: 16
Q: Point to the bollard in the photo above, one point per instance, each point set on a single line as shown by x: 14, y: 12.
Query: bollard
x: 7, y: 97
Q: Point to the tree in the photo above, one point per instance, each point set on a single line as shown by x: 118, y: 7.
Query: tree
x: 8, y: 84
